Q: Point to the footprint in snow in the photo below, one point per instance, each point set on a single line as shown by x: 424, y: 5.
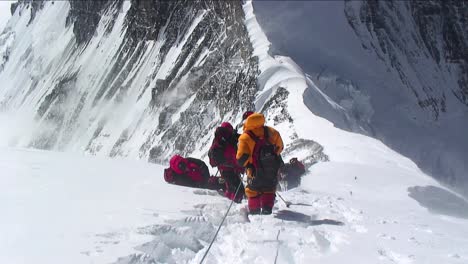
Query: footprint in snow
x: 385, y: 236
x: 199, y: 218
x: 394, y: 257
x: 456, y: 256
x: 322, y: 242
x: 414, y: 240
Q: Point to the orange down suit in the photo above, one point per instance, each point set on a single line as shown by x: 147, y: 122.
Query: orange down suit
x: 255, y: 123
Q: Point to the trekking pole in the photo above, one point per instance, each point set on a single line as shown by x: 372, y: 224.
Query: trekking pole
x: 285, y: 202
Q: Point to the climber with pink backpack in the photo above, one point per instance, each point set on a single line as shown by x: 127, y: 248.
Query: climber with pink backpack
x: 222, y: 154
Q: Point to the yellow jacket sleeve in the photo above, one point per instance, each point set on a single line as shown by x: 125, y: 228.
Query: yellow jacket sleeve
x: 244, y: 150
x: 275, y: 138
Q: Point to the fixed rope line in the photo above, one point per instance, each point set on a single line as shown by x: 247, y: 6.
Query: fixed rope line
x: 277, y: 248
x: 220, y: 225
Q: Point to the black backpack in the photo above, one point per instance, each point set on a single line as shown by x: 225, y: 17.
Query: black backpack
x: 265, y: 160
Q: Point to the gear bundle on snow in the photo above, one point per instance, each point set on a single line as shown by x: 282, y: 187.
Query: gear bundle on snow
x: 190, y: 172
x: 291, y: 173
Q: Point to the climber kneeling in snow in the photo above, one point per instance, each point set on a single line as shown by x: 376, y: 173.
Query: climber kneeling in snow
x: 259, y: 152
x: 222, y: 154
x: 191, y: 172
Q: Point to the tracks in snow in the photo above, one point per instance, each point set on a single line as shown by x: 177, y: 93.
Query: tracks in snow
x: 302, y: 229
x: 317, y: 227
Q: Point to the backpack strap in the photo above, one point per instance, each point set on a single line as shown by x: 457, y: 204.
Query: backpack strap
x: 265, y: 133
x: 255, y: 138
x: 252, y: 136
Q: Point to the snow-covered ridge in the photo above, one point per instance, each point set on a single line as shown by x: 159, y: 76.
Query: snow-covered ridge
x: 394, y: 186
x: 281, y: 71
x: 5, y: 13
x: 394, y: 70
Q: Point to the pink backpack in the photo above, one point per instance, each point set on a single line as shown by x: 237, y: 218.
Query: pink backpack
x: 189, y: 167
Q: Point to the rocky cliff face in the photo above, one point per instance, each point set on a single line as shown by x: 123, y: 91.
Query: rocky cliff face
x: 424, y: 44
x: 443, y: 27
x: 127, y: 78
x: 406, y: 34
x: 142, y: 79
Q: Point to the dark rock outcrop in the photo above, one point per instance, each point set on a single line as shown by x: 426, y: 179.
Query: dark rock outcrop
x: 187, y: 64
x: 421, y: 31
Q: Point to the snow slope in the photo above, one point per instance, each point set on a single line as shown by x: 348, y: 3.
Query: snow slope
x: 64, y: 208
x: 60, y: 208
x: 5, y: 13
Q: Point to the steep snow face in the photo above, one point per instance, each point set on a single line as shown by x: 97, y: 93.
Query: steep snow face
x: 393, y: 70
x: 5, y: 13
x: 123, y: 78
